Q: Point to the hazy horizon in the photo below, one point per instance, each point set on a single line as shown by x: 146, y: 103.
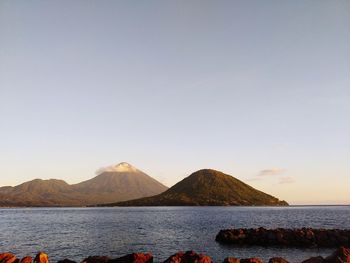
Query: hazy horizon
x: 259, y: 90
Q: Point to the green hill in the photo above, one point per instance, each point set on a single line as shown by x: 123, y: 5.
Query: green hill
x: 208, y: 188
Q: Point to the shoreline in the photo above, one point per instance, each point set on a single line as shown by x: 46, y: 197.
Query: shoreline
x: 240, y: 206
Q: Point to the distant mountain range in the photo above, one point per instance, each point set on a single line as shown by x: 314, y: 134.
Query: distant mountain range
x: 125, y: 185
x: 112, y: 184
x: 207, y: 188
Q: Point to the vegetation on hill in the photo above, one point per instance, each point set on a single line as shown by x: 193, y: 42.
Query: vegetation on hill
x: 208, y: 188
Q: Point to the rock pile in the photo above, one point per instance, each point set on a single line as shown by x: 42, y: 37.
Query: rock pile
x: 188, y: 257
x: 43, y: 258
x: 341, y: 255
x: 303, y: 237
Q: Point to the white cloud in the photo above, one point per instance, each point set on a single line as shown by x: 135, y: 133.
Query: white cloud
x: 286, y: 180
x: 271, y: 171
x: 121, y: 167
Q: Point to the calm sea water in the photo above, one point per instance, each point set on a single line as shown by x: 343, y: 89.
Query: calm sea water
x: 78, y: 232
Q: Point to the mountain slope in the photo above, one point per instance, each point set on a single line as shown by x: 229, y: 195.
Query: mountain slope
x: 115, y: 183
x: 207, y: 187
x: 123, y: 182
x: 39, y: 193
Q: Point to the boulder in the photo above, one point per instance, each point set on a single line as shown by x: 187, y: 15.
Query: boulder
x: 27, y: 259
x: 231, y: 260
x: 251, y: 260
x: 188, y: 257
x: 8, y: 258
x: 302, y: 237
x: 41, y: 257
x: 134, y: 258
x: 96, y: 259
x: 278, y: 260
x: 341, y: 255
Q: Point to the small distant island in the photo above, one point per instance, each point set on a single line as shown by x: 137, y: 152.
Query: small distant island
x: 207, y: 187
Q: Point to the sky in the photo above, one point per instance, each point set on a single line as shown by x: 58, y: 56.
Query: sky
x: 257, y: 89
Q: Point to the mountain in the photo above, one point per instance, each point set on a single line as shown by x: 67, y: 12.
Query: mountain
x: 38, y: 193
x: 208, y: 188
x: 120, y: 182
x: 112, y: 184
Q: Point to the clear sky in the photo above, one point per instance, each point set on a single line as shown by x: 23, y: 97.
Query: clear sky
x: 257, y: 89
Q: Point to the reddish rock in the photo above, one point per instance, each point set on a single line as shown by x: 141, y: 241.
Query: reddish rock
x: 302, y: 237
x: 251, y: 260
x: 96, y: 259
x: 318, y: 259
x: 175, y: 258
x: 278, y: 260
x: 188, y: 257
x: 231, y: 260
x: 41, y: 257
x: 8, y: 258
x: 27, y: 259
x: 134, y: 258
x: 341, y: 255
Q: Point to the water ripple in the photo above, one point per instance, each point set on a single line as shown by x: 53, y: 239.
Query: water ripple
x: 78, y: 232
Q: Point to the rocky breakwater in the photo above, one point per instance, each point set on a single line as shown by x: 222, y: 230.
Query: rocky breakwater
x: 341, y: 255
x: 299, y: 238
x: 44, y: 258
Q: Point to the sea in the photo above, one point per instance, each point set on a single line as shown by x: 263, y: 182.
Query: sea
x: 76, y: 233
